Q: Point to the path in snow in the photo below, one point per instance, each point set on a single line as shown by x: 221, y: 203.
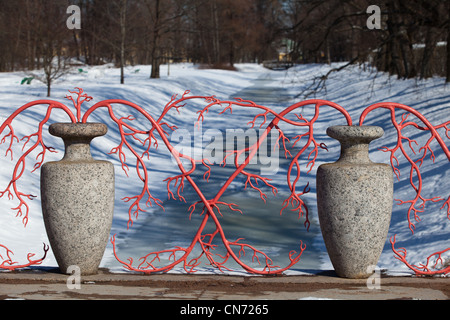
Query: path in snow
x: 265, y: 90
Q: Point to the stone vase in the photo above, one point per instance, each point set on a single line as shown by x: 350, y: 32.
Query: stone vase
x: 354, y: 197
x: 78, y: 199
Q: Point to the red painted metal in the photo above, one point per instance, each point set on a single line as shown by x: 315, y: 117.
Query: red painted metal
x: 417, y: 204
x: 7, y: 262
x: 158, y: 128
x: 147, y: 262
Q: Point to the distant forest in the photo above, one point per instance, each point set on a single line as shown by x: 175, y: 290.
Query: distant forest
x: 411, y: 41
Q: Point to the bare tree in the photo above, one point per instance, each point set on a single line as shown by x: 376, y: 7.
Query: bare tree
x: 123, y: 33
x: 54, y: 65
x: 51, y: 36
x: 162, y: 17
x: 412, y: 41
x: 157, y: 19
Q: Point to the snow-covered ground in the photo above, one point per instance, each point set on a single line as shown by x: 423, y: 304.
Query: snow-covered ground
x: 352, y: 88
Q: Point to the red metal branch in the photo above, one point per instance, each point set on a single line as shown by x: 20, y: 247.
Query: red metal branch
x: 12, y: 190
x: 9, y: 264
x: 417, y: 204
x: 214, y: 204
x: 22, y: 210
x: 414, y: 206
x: 141, y: 167
x: 423, y: 269
x: 189, y: 266
x: 447, y: 203
x: 428, y: 126
x: 81, y: 98
x: 251, y: 179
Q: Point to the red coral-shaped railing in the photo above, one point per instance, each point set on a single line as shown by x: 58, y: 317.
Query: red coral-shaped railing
x: 418, y: 203
x: 7, y: 262
x: 147, y: 262
x: 148, y: 138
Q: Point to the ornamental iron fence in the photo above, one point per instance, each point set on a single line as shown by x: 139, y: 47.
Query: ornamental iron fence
x: 296, y: 148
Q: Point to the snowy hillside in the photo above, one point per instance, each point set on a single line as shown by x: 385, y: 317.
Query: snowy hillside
x: 353, y: 88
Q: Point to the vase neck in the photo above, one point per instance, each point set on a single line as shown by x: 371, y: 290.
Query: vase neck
x: 77, y: 150
x: 354, y: 152
x: 355, y: 141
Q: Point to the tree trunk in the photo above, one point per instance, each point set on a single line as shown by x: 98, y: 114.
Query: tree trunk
x: 393, y: 46
x: 216, y: 36
x: 155, y: 47
x: 49, y: 84
x: 155, y: 65
x: 123, y: 17
x: 428, y: 51
x: 48, y: 77
x: 447, y: 79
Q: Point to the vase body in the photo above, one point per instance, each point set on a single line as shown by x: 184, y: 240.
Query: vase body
x: 78, y: 199
x: 354, y: 198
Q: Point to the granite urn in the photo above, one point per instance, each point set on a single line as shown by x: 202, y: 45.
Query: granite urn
x: 78, y: 199
x: 355, y: 198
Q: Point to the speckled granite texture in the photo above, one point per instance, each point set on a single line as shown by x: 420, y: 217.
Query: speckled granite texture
x: 355, y: 198
x: 78, y: 199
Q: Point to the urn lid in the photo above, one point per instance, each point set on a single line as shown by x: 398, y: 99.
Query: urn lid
x: 78, y: 130
x: 362, y: 134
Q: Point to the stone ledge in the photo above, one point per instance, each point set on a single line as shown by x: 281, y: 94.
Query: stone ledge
x: 50, y: 285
